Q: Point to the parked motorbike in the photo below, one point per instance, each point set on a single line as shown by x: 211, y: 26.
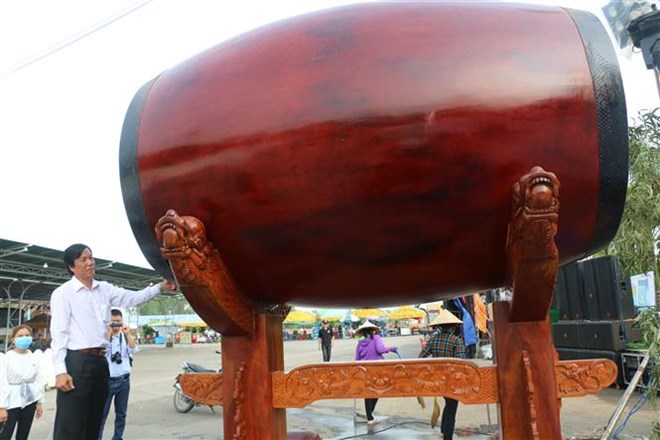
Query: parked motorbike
x: 183, y: 403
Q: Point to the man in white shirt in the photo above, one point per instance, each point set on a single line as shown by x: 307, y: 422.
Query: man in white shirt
x: 120, y: 348
x: 80, y: 315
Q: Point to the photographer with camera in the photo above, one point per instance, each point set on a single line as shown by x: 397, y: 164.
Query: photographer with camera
x: 120, y: 347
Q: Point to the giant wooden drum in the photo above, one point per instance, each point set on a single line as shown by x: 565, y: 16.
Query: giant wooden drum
x: 365, y: 154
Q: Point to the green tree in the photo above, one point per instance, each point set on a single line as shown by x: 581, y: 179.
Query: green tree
x: 166, y: 305
x: 649, y: 323
x: 148, y: 331
x: 637, y: 241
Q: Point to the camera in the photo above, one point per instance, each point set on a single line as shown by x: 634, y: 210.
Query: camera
x: 116, y: 358
x: 115, y: 324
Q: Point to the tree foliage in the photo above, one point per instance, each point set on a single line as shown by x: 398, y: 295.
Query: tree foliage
x: 166, y: 305
x: 638, y: 238
x: 649, y: 324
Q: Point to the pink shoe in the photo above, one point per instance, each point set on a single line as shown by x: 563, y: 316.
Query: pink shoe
x: 375, y: 421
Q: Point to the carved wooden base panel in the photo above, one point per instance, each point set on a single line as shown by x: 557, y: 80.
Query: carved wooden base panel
x: 205, y: 388
x: 579, y: 378
x: 461, y: 380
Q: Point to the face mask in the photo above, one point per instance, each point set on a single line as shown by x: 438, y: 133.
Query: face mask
x: 23, y: 342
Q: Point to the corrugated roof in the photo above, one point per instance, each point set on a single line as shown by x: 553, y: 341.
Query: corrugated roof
x: 35, y: 271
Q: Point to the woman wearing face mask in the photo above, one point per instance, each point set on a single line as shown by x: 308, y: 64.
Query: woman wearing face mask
x: 21, y: 387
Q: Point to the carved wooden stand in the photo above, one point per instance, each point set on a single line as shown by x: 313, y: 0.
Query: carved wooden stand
x: 527, y: 380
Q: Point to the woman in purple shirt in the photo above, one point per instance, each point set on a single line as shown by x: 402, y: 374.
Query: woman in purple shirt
x: 370, y: 348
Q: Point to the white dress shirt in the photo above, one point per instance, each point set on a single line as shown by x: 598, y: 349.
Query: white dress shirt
x: 80, y: 317
x: 119, y: 344
x: 21, y: 381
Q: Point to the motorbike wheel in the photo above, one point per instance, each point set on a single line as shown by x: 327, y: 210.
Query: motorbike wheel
x: 181, y: 403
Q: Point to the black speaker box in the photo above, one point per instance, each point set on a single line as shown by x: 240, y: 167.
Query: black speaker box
x: 569, y: 293
x: 560, y: 297
x: 575, y: 291
x: 566, y: 334
x: 622, y: 301
x: 602, y: 335
x: 607, y: 290
x: 569, y: 354
x: 631, y: 332
x: 590, y: 294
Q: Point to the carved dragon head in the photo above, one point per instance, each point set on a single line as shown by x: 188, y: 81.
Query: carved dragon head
x: 536, y: 195
x: 182, y: 237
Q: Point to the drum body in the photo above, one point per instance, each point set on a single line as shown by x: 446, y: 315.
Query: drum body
x: 365, y: 154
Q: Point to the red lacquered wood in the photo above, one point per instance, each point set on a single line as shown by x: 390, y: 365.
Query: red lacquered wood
x: 526, y: 381
x: 365, y: 154
x: 247, y: 391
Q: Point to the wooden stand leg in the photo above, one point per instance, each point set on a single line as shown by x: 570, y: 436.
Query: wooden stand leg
x: 247, y: 366
x: 526, y: 378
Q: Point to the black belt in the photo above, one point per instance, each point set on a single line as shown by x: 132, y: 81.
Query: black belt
x: 96, y: 351
x: 122, y: 377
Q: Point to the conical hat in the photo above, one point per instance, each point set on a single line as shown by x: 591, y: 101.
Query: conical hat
x: 367, y: 324
x: 445, y: 317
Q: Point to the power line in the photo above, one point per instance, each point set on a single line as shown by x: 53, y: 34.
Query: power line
x: 74, y: 38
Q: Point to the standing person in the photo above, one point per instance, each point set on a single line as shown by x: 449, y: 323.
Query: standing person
x: 120, y: 348
x: 370, y: 347
x: 469, y: 332
x: 444, y: 343
x: 325, y: 340
x: 80, y: 314
x: 21, y: 387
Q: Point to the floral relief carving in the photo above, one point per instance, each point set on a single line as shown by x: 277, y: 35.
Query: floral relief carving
x: 578, y: 378
x: 462, y: 380
x: 205, y: 388
x: 467, y: 383
x: 240, y: 428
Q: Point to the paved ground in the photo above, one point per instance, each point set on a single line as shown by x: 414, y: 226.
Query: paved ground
x: 152, y: 416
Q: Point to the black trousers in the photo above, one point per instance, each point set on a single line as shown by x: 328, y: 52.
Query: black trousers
x: 448, y: 418
x: 327, y: 351
x: 369, y: 407
x: 21, y: 416
x: 80, y: 411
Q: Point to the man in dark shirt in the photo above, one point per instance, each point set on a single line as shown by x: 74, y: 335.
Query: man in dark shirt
x: 444, y: 343
x: 325, y: 340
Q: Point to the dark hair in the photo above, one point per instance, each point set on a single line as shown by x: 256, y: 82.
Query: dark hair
x: 72, y: 253
x: 369, y: 332
x: 116, y: 312
x: 21, y: 327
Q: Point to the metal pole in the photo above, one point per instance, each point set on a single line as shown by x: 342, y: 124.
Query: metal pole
x: 20, y: 305
x: 490, y: 425
x: 7, y: 328
x: 8, y: 314
x: 626, y: 396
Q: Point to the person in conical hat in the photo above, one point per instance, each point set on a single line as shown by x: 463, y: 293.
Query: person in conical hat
x: 445, y: 317
x: 444, y: 343
x: 370, y: 348
x: 365, y: 326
